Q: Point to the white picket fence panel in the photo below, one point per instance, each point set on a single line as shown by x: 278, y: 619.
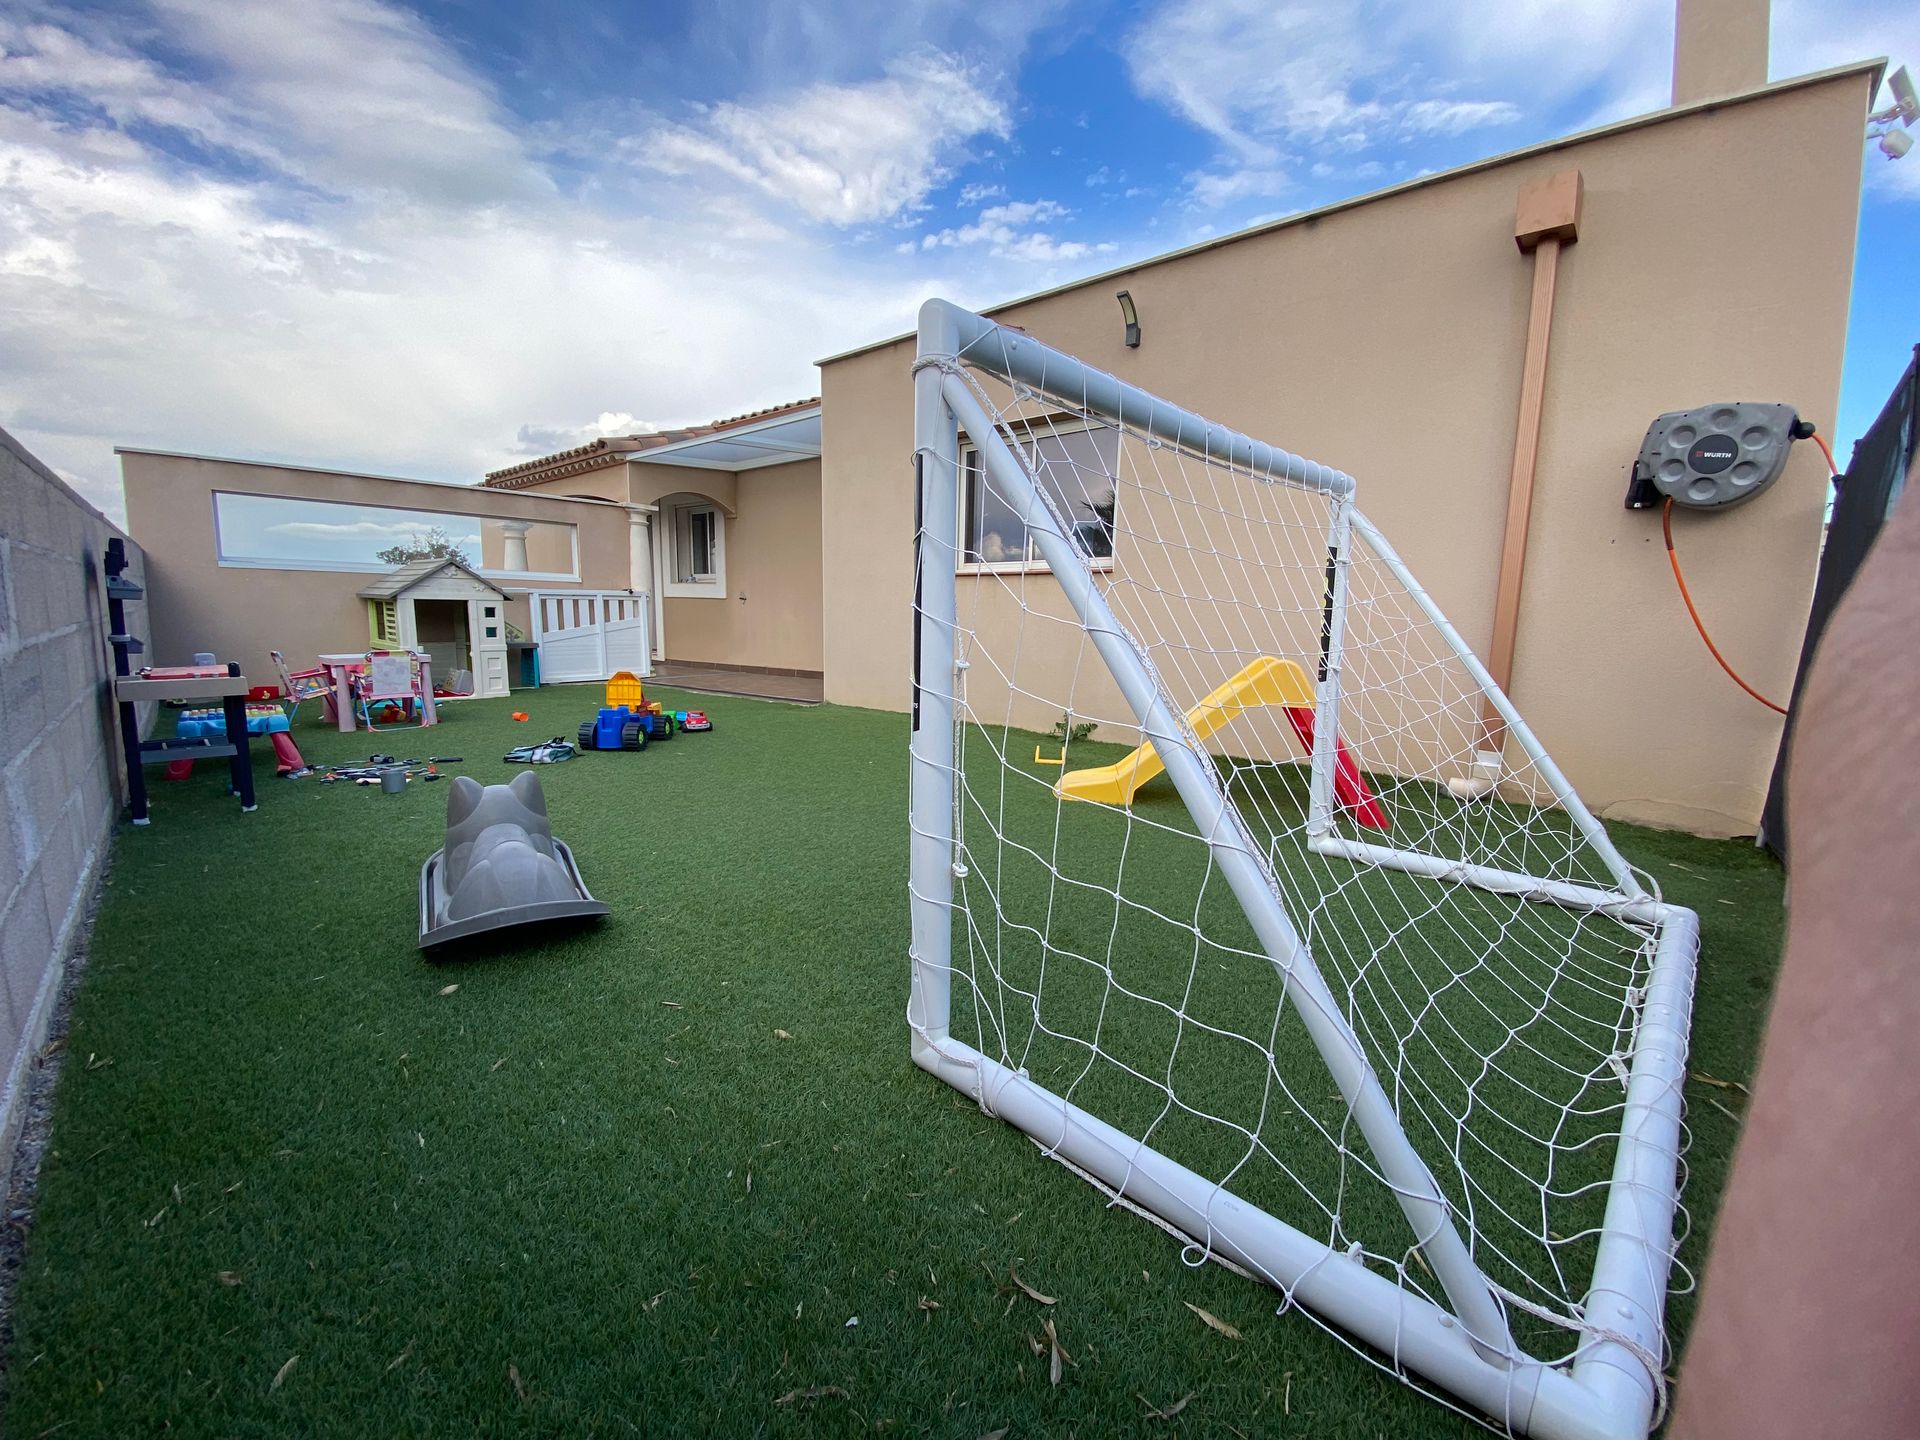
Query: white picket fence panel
x: 586, y: 635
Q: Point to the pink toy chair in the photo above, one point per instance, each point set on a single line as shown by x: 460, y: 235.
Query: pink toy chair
x: 391, y: 677
x: 300, y: 685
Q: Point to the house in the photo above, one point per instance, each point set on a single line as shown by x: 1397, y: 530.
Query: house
x: 1414, y: 337
x: 729, y: 524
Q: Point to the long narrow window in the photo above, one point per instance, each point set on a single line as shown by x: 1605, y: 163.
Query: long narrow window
x: 283, y: 532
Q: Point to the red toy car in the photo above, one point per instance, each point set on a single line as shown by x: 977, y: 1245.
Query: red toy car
x: 692, y: 721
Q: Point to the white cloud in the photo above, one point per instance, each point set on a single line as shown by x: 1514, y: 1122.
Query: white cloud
x: 389, y: 322
x: 841, y: 153
x: 354, y: 98
x: 1270, y: 80
x: 971, y: 195
x: 1000, y: 229
x: 546, y: 439
x: 1456, y: 117
x: 1212, y: 189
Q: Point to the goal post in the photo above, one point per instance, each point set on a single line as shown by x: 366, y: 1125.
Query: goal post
x: 1409, y: 1050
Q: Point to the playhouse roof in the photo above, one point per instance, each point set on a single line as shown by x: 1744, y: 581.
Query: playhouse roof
x: 397, y: 582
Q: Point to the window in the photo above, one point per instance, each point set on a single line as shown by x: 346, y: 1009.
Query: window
x: 283, y: 532
x: 696, y: 550
x: 1075, y: 468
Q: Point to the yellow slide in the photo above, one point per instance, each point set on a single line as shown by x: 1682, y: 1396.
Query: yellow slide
x: 1267, y: 681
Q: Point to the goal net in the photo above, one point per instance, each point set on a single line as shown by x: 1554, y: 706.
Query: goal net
x: 1240, y: 887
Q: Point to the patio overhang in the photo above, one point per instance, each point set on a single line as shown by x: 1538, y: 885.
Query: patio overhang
x: 778, y: 440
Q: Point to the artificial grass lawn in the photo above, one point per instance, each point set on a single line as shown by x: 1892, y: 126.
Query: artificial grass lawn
x: 637, y: 1178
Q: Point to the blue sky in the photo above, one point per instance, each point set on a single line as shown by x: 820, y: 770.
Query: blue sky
x: 432, y: 239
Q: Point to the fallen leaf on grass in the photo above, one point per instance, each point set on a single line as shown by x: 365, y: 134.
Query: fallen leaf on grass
x: 852, y: 1320
x: 519, y: 1385
x: 496, y: 1064
x: 1028, y: 1290
x: 781, y: 1035
x: 673, y: 1004
x: 812, y: 1392
x: 229, y: 1277
x: 282, y: 1373
x: 1166, y: 1413
x: 448, y: 989
x: 1057, y: 1355
x: 1717, y: 1082
x: 401, y: 1358
x: 1214, y: 1322
x: 926, y: 1304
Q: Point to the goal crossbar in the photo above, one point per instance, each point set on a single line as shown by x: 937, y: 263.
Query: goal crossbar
x: 1465, y: 1346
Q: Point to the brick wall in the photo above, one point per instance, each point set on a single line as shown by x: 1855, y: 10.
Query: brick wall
x: 60, y: 773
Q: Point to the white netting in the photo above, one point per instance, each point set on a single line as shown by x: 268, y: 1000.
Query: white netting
x: 1097, y: 948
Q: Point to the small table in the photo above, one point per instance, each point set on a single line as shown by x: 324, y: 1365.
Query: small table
x: 191, y: 682
x: 343, y: 666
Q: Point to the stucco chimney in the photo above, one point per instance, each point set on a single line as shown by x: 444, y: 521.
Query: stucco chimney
x: 1719, y: 48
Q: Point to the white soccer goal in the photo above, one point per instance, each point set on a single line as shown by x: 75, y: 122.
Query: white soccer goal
x: 1342, y: 999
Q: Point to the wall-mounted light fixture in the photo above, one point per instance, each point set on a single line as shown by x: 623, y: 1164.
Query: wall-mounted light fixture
x: 1131, y: 316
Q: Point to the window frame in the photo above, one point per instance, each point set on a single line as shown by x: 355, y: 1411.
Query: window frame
x: 1033, y: 564
x: 675, y: 515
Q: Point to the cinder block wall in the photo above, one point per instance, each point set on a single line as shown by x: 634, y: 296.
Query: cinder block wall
x: 60, y: 773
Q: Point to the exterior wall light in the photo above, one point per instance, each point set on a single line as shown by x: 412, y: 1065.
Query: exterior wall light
x: 1132, y: 317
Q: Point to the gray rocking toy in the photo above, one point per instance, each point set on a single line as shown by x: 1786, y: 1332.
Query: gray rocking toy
x: 500, y: 866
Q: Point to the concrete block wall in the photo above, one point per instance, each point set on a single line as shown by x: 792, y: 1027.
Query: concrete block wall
x: 61, y: 779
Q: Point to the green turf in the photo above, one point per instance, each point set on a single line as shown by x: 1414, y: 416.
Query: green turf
x: 652, y: 1169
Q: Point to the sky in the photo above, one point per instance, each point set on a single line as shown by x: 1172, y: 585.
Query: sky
x: 435, y: 239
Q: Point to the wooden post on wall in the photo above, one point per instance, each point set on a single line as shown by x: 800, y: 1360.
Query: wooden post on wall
x: 1546, y: 220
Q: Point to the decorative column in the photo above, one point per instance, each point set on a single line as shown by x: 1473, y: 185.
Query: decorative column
x: 513, y: 536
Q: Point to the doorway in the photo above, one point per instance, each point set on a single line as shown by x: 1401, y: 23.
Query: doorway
x: 442, y: 630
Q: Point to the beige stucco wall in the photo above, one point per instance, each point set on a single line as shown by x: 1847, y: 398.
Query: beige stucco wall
x: 771, y: 612
x: 241, y: 614
x: 1386, y: 338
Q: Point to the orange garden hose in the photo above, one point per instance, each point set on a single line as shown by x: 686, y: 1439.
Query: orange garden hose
x: 1821, y: 440
x: 1666, y: 529
x: 1673, y: 559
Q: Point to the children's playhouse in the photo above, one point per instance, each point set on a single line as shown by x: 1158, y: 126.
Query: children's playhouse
x: 444, y: 609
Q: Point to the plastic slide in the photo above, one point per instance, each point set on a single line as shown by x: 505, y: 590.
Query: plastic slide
x: 1266, y: 681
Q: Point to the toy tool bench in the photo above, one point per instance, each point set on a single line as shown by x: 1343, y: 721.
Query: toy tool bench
x: 223, y: 683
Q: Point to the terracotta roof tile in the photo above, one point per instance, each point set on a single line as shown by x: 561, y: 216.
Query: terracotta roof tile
x: 614, y: 449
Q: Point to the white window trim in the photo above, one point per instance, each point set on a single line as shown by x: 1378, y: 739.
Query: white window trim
x: 669, y: 518
x: 1099, y: 565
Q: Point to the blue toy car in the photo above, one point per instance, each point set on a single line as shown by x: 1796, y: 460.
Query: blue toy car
x: 618, y: 727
